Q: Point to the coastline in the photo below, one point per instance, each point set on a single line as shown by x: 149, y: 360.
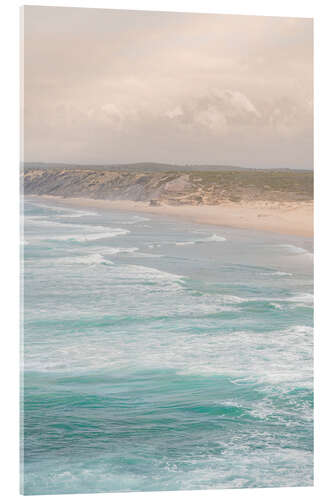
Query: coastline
x: 293, y: 218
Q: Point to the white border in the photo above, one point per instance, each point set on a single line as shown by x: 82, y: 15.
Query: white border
x: 9, y: 272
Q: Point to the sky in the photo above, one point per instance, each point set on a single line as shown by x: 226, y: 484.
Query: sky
x: 116, y: 86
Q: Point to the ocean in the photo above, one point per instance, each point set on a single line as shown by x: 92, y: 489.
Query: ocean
x: 160, y: 354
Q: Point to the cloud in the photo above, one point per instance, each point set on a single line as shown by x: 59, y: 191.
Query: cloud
x: 216, y: 112
x: 110, y: 86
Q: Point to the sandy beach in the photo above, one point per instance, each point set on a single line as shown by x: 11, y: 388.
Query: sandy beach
x: 294, y: 218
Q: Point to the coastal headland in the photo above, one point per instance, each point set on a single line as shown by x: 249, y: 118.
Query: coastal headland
x: 279, y: 200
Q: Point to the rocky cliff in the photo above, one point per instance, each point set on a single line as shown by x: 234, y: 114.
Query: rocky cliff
x: 183, y: 187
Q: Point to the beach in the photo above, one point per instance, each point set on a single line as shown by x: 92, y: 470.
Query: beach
x: 167, y: 251
x: 294, y: 218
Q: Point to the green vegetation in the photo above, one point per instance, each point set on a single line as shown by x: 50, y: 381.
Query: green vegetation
x: 261, y: 181
x: 170, y: 186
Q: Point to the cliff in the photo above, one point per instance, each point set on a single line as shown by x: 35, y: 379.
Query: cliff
x: 170, y: 187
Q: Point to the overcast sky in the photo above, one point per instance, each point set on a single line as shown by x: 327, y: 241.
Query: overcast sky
x: 108, y: 86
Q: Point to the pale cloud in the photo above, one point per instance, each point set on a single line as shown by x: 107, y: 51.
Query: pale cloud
x: 175, y: 113
x: 216, y: 112
x: 117, y: 86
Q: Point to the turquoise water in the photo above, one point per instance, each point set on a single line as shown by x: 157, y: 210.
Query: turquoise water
x: 163, y: 355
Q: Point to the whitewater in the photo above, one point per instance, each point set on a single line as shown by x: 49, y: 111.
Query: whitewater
x: 160, y: 354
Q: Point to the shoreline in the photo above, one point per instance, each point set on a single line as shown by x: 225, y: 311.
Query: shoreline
x: 293, y: 218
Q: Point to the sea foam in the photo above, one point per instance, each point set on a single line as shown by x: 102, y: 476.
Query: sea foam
x: 212, y: 238
x: 90, y: 259
x: 81, y: 238
x: 294, y: 250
